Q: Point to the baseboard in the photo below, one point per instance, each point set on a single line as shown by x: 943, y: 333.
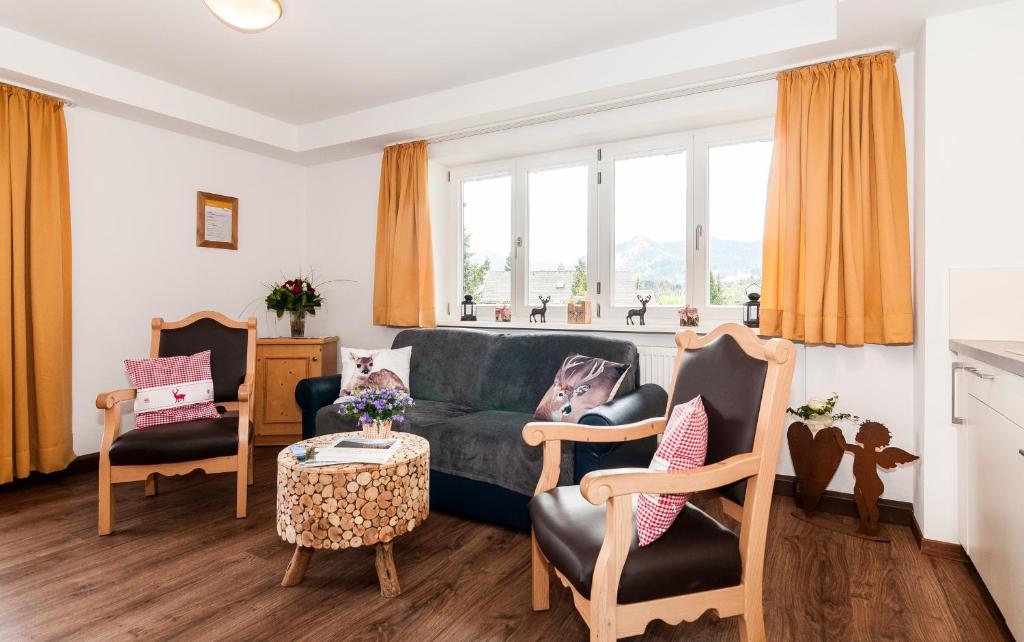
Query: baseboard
x: 935, y: 548
x: 836, y: 503
x: 82, y: 464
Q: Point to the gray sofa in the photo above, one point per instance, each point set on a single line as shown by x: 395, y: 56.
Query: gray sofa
x: 474, y: 392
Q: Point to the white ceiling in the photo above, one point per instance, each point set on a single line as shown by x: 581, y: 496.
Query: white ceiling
x: 331, y: 57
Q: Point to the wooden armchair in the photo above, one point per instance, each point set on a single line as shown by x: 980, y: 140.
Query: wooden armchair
x: 214, y: 445
x: 698, y: 564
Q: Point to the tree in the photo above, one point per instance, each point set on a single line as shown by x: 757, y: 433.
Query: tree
x: 508, y: 263
x: 473, y: 275
x: 715, y: 286
x: 579, y: 278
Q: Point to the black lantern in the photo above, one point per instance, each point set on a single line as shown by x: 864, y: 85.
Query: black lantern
x: 468, y: 309
x: 752, y: 309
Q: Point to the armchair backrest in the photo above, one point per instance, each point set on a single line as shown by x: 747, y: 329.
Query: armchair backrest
x: 232, y: 346
x: 745, y: 385
x: 730, y: 383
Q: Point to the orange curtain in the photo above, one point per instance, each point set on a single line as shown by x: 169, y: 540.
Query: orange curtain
x: 403, y: 285
x: 35, y: 286
x: 837, y: 240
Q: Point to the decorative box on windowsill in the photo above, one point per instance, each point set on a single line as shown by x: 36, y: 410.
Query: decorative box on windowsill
x: 579, y: 311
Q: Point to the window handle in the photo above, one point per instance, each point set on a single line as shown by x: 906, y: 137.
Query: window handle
x: 519, y: 244
x: 699, y: 236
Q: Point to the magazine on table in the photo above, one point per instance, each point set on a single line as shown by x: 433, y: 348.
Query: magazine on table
x: 352, y: 450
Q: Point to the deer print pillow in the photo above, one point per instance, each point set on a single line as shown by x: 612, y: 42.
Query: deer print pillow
x: 581, y: 384
x: 374, y: 369
x: 172, y: 389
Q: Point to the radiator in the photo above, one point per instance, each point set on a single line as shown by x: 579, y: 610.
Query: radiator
x: 656, y: 365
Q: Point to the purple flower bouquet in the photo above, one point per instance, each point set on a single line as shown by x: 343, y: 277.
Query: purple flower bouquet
x: 376, y: 408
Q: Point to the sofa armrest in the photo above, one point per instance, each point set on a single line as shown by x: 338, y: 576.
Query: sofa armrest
x: 312, y: 395
x: 649, y: 400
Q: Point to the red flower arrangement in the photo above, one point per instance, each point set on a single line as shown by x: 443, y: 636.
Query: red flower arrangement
x: 294, y: 295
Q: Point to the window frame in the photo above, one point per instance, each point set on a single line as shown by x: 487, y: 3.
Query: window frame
x: 704, y: 140
x: 459, y: 176
x: 600, y: 163
x: 576, y: 157
x: 638, y: 148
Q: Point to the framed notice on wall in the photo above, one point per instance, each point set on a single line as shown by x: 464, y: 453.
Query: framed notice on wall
x: 216, y: 221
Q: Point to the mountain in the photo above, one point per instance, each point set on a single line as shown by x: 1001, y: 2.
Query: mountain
x: 659, y: 261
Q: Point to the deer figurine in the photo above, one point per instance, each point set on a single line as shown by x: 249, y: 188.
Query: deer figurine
x: 638, y: 312
x: 572, y: 381
x: 542, y: 311
x: 178, y: 397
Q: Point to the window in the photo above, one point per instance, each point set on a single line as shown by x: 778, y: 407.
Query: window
x: 737, y: 193
x: 487, y: 239
x: 558, y: 207
x: 650, y: 229
x: 676, y: 218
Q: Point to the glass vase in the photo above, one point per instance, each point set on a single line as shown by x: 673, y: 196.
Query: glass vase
x: 297, y: 321
x: 377, y: 429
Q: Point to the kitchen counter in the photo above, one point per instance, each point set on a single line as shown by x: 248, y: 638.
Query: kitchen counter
x: 1005, y: 355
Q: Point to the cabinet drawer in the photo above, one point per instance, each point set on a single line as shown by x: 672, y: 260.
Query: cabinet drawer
x: 1000, y: 390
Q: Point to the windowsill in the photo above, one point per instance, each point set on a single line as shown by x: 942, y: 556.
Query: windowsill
x: 663, y: 328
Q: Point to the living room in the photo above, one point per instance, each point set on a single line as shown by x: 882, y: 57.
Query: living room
x: 799, y: 212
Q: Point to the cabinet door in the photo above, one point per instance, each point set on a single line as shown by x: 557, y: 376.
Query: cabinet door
x: 1015, y: 613
x: 281, y: 374
x: 994, y: 506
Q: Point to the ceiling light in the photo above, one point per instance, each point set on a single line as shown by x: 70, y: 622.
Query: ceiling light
x: 248, y: 16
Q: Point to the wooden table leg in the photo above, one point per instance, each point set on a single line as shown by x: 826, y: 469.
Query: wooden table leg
x: 297, y: 567
x: 386, y: 572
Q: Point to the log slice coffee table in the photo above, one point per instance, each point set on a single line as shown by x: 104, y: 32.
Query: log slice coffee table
x: 352, y: 505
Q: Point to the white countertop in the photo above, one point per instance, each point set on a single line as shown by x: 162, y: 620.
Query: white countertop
x: 1005, y: 355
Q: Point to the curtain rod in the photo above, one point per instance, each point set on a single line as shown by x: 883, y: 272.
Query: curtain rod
x: 739, y: 80
x: 67, y: 102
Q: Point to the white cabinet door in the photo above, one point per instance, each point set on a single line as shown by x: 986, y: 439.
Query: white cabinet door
x: 995, y: 524
x: 1015, y: 614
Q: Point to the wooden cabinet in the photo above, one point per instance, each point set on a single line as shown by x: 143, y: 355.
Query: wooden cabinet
x: 280, y: 364
x: 992, y: 482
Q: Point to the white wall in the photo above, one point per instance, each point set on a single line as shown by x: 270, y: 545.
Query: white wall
x: 133, y: 211
x: 876, y: 382
x: 970, y: 170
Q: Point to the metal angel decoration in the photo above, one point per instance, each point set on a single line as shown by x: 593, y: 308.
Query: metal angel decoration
x: 874, y: 451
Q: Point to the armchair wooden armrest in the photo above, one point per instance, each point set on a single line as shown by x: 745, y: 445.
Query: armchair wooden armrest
x: 109, y: 403
x: 106, y: 400
x: 245, y: 403
x: 537, y: 432
x: 551, y: 434
x: 245, y: 390
x: 600, y: 485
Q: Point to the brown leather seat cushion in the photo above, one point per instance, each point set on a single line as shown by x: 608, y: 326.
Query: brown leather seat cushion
x: 696, y: 553
x: 181, y: 441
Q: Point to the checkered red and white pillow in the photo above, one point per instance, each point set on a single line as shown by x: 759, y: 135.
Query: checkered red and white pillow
x: 172, y: 389
x: 683, y: 446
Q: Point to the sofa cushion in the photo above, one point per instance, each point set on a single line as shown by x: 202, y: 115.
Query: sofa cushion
x: 488, y: 446
x: 172, y: 389
x: 448, y: 364
x: 695, y: 554
x: 581, y: 384
x: 683, y: 446
x: 177, y: 442
x: 424, y: 413
x: 522, y: 366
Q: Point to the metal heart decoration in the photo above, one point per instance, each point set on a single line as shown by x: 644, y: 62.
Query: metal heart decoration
x: 815, y: 458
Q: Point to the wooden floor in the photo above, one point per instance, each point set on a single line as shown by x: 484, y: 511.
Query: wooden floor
x: 181, y: 566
